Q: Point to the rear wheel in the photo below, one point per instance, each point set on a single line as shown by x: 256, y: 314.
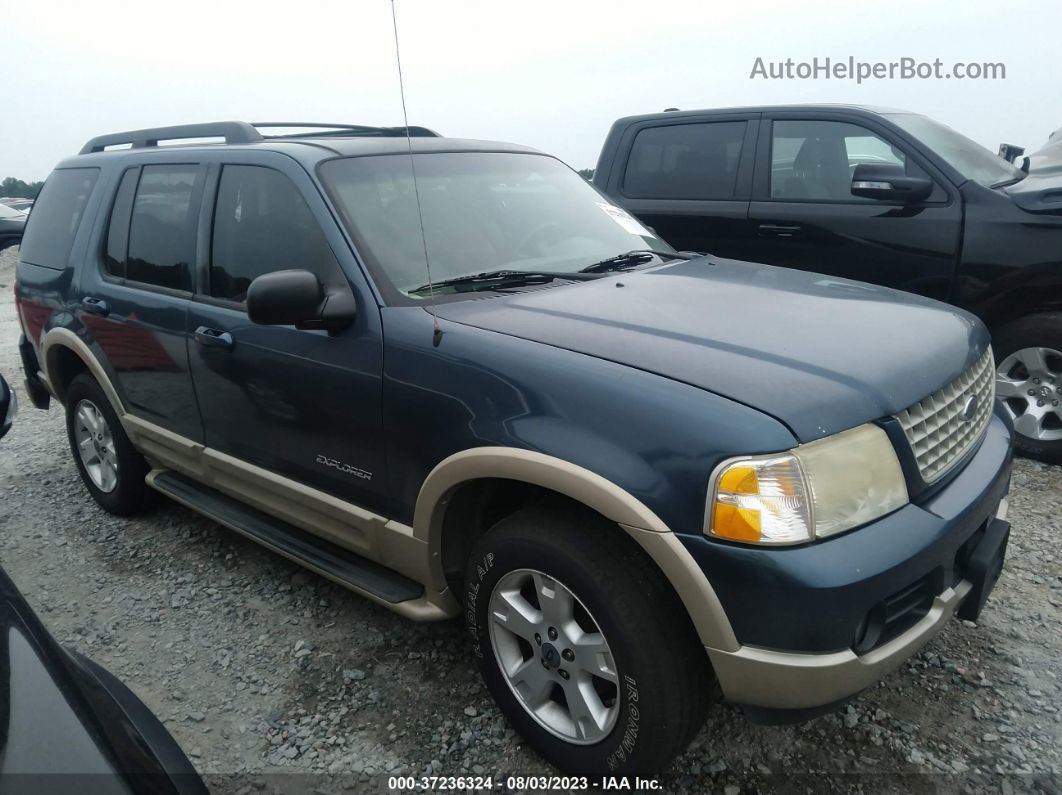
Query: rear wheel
x: 1029, y: 383
x: 111, y: 469
x: 583, y: 644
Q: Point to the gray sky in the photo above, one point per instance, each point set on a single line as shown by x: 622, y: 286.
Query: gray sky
x: 550, y: 74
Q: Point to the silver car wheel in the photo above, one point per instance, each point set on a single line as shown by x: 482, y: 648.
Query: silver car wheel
x: 554, y: 657
x: 1029, y: 384
x: 95, y: 445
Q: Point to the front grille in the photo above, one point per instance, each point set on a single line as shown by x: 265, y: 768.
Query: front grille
x: 936, y: 428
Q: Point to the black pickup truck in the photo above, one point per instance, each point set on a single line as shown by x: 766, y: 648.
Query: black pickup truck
x: 877, y: 195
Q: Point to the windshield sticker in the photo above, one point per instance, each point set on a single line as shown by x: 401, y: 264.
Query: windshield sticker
x: 625, y: 220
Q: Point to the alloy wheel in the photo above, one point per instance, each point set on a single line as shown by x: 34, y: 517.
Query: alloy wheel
x: 1029, y: 383
x: 554, y: 656
x: 95, y: 445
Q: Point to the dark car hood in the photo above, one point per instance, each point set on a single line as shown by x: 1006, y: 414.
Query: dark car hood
x: 67, y: 726
x: 820, y: 354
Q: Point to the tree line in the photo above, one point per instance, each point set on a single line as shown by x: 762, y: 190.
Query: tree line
x: 14, y: 188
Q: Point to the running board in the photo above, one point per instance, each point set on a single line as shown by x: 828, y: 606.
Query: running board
x: 324, y: 557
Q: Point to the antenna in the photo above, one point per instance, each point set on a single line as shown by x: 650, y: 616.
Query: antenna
x: 437, y: 332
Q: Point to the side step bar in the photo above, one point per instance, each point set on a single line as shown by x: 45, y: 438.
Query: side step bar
x: 334, y: 562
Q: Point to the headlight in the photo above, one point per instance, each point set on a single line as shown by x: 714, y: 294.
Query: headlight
x: 813, y: 491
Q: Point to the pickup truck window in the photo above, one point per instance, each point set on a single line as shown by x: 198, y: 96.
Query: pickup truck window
x: 482, y: 212
x: 815, y: 159
x: 967, y: 157
x: 685, y: 161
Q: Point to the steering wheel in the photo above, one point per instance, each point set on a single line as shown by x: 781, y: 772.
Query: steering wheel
x: 534, y: 234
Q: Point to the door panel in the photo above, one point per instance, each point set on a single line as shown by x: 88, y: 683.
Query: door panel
x: 805, y: 217
x: 299, y: 403
x: 304, y: 404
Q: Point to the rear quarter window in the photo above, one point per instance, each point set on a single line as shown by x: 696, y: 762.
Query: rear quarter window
x: 56, y: 216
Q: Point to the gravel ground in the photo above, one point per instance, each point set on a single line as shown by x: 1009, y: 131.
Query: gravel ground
x: 262, y: 670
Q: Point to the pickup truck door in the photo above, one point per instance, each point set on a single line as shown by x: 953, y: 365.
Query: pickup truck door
x: 804, y: 215
x: 689, y: 179
x: 304, y: 404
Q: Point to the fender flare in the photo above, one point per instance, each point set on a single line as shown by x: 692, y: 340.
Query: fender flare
x: 586, y: 487
x: 58, y: 338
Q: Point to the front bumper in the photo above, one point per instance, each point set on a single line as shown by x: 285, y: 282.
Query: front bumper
x: 800, y: 615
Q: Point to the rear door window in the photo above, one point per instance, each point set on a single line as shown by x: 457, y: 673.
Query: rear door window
x: 685, y: 161
x: 162, y: 229
x: 56, y: 216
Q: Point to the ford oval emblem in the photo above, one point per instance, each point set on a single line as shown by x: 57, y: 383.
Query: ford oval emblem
x: 970, y: 409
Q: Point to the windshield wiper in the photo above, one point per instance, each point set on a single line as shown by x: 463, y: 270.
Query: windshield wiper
x: 490, y: 280
x: 631, y: 258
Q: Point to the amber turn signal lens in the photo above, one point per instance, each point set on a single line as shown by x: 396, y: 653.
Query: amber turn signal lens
x: 761, y: 501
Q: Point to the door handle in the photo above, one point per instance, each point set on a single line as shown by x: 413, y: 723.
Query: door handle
x: 95, y: 306
x: 780, y: 230
x: 213, y: 338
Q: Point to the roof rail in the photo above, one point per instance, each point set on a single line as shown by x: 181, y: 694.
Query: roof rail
x: 345, y: 129
x: 234, y: 132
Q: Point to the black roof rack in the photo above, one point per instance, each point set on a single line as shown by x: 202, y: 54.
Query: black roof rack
x: 234, y: 132
x: 344, y: 129
x: 240, y: 132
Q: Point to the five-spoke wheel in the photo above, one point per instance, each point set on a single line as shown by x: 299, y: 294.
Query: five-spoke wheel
x: 95, y: 445
x: 111, y: 469
x: 583, y: 643
x: 554, y: 655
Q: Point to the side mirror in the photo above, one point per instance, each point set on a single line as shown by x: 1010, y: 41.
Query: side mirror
x: 296, y: 298
x: 890, y: 183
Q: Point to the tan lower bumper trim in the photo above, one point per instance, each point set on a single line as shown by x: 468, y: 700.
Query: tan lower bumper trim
x: 791, y: 680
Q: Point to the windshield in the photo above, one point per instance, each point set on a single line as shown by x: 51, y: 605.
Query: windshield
x: 967, y: 157
x: 483, y: 212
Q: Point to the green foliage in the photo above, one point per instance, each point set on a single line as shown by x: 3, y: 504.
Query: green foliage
x: 17, y: 189
x: 586, y: 173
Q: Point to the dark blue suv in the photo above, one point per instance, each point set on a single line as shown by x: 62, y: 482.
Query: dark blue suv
x: 455, y: 378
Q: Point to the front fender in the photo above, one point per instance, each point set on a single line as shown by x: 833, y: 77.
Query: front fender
x: 587, y: 488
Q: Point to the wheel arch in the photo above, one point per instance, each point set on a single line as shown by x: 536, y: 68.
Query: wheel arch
x: 63, y: 355
x: 589, y: 489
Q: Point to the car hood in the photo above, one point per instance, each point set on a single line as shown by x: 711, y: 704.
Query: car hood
x: 818, y: 353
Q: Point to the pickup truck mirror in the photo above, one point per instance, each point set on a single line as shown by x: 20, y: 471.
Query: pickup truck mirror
x: 297, y: 298
x: 890, y: 183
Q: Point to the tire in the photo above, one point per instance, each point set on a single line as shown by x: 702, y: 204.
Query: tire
x: 117, y: 481
x: 662, y: 676
x: 1029, y: 357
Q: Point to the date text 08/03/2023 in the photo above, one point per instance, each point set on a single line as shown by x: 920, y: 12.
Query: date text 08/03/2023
x: 521, y: 783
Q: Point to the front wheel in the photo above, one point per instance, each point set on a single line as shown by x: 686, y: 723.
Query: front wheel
x: 583, y: 644
x: 1029, y: 383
